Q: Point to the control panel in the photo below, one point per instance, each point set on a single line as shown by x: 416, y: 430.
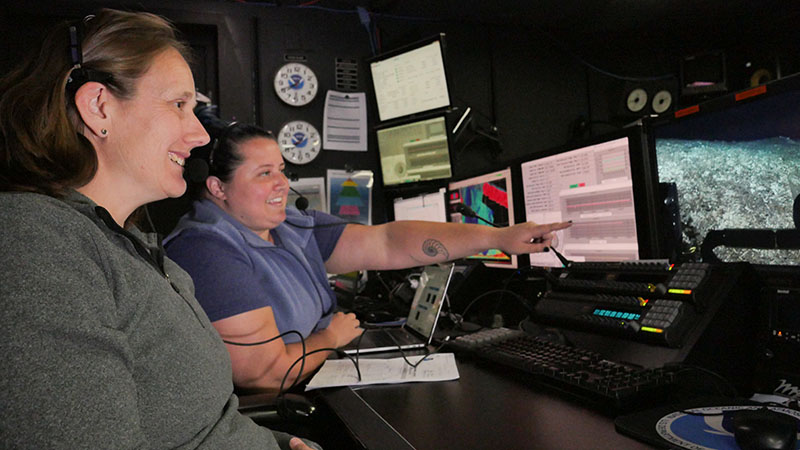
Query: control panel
x: 652, y: 302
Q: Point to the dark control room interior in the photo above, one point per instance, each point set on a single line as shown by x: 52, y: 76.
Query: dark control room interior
x: 666, y: 316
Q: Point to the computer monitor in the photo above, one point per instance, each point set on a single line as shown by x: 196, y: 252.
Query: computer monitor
x: 606, y: 187
x: 490, y: 196
x: 430, y: 207
x: 414, y: 151
x: 736, y: 163
x: 410, y: 80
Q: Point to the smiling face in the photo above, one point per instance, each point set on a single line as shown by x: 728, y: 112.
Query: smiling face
x: 256, y: 193
x: 151, y: 135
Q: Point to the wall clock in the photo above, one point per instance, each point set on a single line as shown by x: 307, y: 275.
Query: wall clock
x: 296, y: 84
x: 299, y: 142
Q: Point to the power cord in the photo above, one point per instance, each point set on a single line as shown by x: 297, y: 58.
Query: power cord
x: 325, y: 349
x: 494, y: 291
x: 302, y: 358
x: 428, y: 352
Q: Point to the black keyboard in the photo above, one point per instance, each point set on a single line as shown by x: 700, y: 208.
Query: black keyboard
x: 579, y: 372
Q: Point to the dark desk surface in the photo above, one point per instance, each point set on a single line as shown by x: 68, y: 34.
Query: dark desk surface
x: 487, y: 408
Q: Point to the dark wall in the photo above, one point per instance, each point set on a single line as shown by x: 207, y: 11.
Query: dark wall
x: 539, y: 90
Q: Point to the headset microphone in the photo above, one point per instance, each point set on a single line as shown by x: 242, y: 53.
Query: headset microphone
x: 302, y: 202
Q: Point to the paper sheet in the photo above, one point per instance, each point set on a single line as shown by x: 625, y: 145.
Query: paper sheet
x: 344, y: 122
x: 430, y: 207
x: 342, y: 372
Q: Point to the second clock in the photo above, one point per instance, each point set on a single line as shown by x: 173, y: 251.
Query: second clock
x: 299, y: 142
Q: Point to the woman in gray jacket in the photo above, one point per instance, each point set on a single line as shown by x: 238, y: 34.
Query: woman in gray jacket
x: 103, y: 344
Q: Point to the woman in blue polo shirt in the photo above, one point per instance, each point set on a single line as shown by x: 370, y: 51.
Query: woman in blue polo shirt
x: 260, y: 268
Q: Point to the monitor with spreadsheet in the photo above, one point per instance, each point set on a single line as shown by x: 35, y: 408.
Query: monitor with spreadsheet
x: 491, y: 198
x: 410, y: 80
x: 414, y: 151
x: 607, y: 188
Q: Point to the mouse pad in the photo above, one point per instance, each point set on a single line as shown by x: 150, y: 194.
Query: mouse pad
x: 671, y: 427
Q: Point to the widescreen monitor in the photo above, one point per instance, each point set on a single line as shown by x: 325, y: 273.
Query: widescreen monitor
x: 606, y: 188
x: 735, y: 161
x: 410, y: 80
x: 491, y: 197
x: 414, y: 151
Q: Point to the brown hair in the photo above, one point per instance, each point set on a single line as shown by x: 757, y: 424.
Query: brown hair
x: 41, y: 145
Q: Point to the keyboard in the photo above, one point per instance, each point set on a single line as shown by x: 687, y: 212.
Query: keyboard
x: 579, y: 372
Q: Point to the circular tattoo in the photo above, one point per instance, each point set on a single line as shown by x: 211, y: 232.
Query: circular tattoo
x: 432, y: 247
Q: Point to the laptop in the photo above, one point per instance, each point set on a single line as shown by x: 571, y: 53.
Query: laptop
x: 417, y: 331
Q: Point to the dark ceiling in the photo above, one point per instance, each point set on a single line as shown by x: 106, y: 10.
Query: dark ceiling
x: 691, y: 22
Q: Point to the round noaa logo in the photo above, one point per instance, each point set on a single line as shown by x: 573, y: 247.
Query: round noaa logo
x: 296, y: 82
x: 299, y: 139
x: 711, y: 431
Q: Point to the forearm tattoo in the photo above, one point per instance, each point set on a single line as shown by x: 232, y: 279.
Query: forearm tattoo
x: 432, y: 248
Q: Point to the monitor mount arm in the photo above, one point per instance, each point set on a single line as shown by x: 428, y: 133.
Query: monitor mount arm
x: 775, y: 239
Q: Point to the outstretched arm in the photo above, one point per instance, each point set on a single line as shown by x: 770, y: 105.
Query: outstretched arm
x: 402, y: 244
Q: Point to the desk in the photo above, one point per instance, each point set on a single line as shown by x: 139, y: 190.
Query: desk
x: 487, y: 408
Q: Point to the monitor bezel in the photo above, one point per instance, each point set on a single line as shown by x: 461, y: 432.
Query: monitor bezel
x: 440, y: 37
x: 745, y: 115
x: 423, y: 184
x: 641, y: 152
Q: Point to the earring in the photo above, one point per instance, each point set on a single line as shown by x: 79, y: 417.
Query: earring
x: 104, y: 132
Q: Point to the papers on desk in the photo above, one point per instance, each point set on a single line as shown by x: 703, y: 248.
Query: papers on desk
x: 342, y: 372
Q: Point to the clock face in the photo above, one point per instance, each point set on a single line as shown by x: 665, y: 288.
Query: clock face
x: 299, y: 142
x: 296, y: 84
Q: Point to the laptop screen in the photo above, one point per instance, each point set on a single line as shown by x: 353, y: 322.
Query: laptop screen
x: 428, y: 298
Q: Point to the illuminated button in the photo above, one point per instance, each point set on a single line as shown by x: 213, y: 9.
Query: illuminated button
x: 652, y: 330
x: 680, y: 291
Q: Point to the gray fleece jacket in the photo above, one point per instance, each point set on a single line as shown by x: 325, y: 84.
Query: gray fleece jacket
x: 98, y: 348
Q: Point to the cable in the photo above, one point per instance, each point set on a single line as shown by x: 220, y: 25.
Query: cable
x: 504, y: 289
x: 302, y: 358
x: 493, y: 291
x: 689, y: 368
x: 428, y: 352
x: 251, y: 344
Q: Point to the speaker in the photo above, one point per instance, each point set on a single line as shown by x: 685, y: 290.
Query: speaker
x: 704, y: 74
x: 632, y: 100
x: 752, y: 69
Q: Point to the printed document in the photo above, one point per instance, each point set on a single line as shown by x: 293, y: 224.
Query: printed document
x: 342, y: 372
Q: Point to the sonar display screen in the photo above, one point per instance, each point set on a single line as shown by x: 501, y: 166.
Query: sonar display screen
x: 490, y: 197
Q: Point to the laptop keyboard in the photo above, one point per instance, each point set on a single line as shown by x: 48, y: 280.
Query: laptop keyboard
x: 382, y: 338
